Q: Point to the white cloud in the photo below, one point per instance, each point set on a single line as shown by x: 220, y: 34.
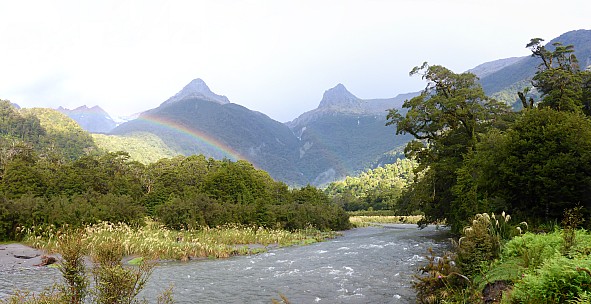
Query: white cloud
x: 277, y: 57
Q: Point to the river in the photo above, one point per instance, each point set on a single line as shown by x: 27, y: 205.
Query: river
x: 365, y: 265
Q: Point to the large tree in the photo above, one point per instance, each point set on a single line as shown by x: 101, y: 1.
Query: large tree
x: 560, y: 80
x: 537, y: 169
x: 446, y: 120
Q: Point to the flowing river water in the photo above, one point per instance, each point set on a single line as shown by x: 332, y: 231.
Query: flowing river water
x: 365, y: 265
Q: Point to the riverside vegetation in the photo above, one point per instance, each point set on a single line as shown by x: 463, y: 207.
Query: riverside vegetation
x: 475, y: 155
x: 155, y: 241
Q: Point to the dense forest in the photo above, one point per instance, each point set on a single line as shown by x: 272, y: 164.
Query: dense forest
x: 52, y: 173
x: 374, y: 189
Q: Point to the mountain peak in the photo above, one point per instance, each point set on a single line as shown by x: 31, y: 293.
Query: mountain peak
x: 197, y: 89
x: 94, y: 119
x: 339, y: 96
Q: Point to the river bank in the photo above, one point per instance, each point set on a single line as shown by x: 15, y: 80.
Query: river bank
x: 17, y: 255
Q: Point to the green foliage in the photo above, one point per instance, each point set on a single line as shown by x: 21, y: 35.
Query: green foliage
x: 533, y: 249
x: 51, y: 135
x: 63, y: 134
x: 184, y: 192
x: 115, y: 283
x: 440, y: 280
x: 39, y: 189
x: 14, y: 125
x: 558, y: 280
x: 537, y: 169
x: 377, y: 189
x: 186, y: 213
x: 564, y: 86
x: 72, y: 266
x: 481, y: 242
x: 143, y: 147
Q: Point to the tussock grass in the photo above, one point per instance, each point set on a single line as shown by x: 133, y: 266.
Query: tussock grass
x: 363, y: 221
x: 154, y: 241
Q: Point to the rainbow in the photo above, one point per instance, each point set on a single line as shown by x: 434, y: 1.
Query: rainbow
x: 199, y: 136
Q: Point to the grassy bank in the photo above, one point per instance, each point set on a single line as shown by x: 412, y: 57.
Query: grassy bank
x: 368, y: 220
x: 153, y: 241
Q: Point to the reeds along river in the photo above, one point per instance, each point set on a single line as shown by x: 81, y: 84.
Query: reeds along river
x: 365, y: 265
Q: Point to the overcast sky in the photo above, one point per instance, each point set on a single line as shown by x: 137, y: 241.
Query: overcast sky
x: 276, y: 57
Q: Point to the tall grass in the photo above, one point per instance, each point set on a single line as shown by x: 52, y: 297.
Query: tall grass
x: 154, y: 241
x: 368, y: 220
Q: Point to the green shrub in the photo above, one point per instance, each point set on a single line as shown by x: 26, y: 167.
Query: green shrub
x: 482, y: 242
x: 70, y: 245
x: 114, y: 283
x: 440, y: 280
x: 533, y: 249
x: 558, y: 280
x: 572, y: 219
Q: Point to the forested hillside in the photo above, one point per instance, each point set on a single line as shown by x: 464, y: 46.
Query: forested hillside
x: 374, y: 189
x: 44, y: 131
x: 146, y: 148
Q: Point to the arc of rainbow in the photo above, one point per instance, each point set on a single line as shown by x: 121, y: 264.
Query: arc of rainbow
x: 197, y: 135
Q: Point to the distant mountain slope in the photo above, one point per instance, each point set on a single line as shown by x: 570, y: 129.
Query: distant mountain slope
x: 340, y: 100
x: 94, y: 120
x: 516, y: 76
x: 62, y: 135
x: 488, y: 68
x: 345, y: 135
x: 194, y: 125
